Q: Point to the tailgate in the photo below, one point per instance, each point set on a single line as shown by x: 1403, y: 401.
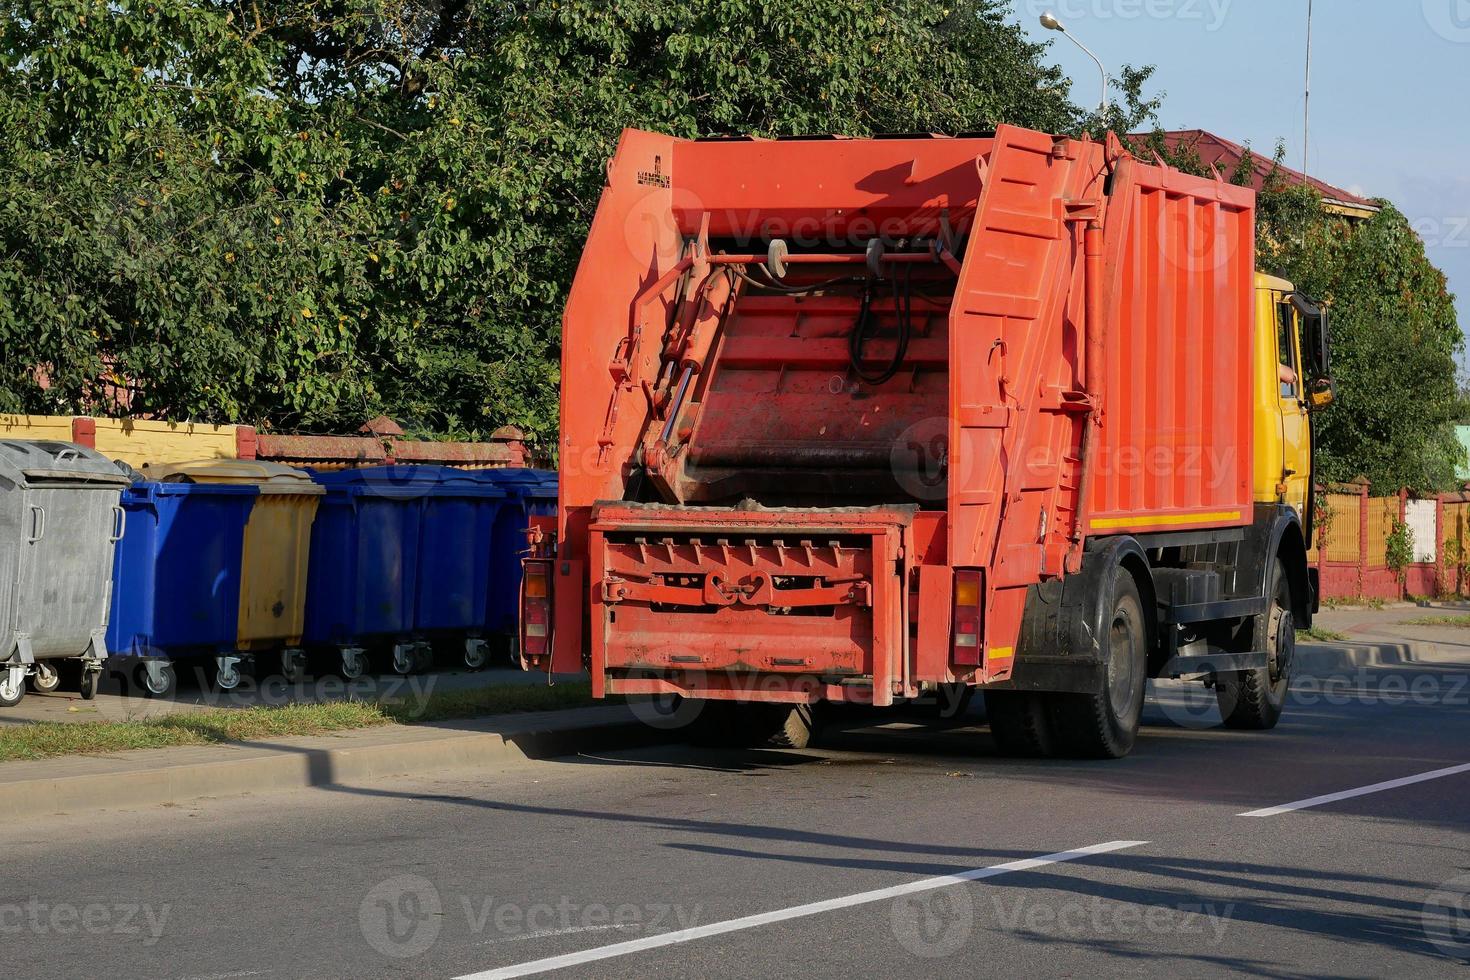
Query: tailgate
x: 720, y: 602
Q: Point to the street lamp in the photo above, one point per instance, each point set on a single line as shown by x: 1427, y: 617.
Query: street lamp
x: 1050, y: 22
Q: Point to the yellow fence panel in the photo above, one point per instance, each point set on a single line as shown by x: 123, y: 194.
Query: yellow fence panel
x: 1382, y: 513
x: 1343, y: 533
x: 36, y: 428
x: 136, y: 442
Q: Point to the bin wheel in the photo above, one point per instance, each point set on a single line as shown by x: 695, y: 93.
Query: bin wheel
x: 91, y: 679
x: 12, y: 686
x: 157, y: 678
x: 404, y: 658
x: 46, y: 678
x: 354, y: 663
x: 227, y: 676
x: 476, y: 654
x: 293, y: 666
x: 423, y: 658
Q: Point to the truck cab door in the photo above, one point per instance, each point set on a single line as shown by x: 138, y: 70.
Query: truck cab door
x: 1296, y: 439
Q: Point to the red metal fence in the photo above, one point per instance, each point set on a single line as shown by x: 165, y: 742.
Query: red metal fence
x: 1352, y: 541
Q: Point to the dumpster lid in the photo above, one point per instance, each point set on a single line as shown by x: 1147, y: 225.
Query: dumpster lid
x: 267, y: 476
x: 25, y: 462
x: 405, y: 480
x: 524, y: 482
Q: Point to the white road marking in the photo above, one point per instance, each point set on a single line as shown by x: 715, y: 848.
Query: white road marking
x: 1348, y: 794
x: 795, y: 912
x: 549, y: 933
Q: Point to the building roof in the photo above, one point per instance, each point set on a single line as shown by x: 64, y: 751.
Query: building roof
x: 1222, y: 153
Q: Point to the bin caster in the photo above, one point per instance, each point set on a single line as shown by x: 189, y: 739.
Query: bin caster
x: 405, y: 658
x: 157, y: 678
x: 293, y: 666
x: 354, y: 662
x: 423, y: 658
x: 46, y: 678
x: 476, y: 653
x: 227, y: 673
x: 91, y: 679
x: 12, y: 685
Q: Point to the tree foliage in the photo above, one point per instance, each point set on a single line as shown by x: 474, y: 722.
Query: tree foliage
x: 307, y: 212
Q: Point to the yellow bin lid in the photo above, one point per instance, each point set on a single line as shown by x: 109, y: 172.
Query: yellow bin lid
x: 270, y: 477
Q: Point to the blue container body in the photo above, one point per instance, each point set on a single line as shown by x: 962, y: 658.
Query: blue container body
x: 363, y: 579
x: 456, y: 560
x: 176, y: 571
x: 528, y: 493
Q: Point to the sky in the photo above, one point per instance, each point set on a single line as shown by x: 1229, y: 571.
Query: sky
x: 1390, y: 105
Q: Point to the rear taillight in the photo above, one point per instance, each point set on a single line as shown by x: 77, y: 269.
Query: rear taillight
x: 535, y: 607
x: 967, y: 616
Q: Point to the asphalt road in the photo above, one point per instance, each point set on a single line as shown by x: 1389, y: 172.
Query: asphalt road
x: 817, y: 863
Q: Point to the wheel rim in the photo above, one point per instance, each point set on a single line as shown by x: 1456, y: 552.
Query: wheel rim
x: 1282, y: 633
x: 474, y: 657
x: 1122, y: 671
x: 47, y: 677
x: 10, y: 685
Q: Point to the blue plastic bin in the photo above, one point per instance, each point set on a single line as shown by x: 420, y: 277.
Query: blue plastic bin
x: 176, y: 571
x: 363, y: 579
x: 528, y: 493
x: 455, y: 559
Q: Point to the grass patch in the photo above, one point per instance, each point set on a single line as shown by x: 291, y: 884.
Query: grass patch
x: 1359, y: 602
x: 1316, y: 634
x: 1460, y: 621
x: 46, y: 739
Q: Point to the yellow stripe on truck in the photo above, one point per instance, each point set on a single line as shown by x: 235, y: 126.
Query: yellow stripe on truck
x: 1165, y: 520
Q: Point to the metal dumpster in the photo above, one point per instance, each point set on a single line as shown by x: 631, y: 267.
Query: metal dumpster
x: 455, y: 559
x: 176, y: 575
x: 362, y: 582
x: 529, y: 493
x: 274, y: 562
x: 59, y: 520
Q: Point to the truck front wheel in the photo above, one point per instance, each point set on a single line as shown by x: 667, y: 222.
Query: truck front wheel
x: 1104, y: 725
x: 1253, y: 699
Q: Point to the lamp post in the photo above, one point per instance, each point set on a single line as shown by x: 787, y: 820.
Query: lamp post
x: 1050, y: 22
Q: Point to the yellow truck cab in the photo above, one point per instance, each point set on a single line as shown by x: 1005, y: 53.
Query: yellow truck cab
x: 1293, y: 378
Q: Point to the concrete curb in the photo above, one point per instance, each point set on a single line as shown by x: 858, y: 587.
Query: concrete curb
x: 154, y: 777
x: 1331, y: 658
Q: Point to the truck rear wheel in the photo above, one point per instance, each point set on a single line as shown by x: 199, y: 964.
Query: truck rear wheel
x: 1020, y: 722
x: 1104, y: 725
x: 1253, y: 699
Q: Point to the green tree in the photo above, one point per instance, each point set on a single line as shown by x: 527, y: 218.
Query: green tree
x: 307, y: 212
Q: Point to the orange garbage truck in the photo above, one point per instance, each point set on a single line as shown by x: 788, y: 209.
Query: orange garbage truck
x: 862, y: 420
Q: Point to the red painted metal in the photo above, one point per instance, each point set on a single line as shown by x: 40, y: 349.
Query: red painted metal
x: 84, y: 431
x: 1075, y: 335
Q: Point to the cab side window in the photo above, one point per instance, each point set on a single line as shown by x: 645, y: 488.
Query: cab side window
x: 1287, y: 373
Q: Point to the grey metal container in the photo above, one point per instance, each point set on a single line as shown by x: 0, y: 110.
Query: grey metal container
x: 59, y: 519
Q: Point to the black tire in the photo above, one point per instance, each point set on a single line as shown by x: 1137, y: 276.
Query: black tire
x: 46, y: 677
x: 1104, y: 725
x: 1252, y: 700
x: 169, y: 681
x: 87, y: 684
x: 734, y: 724
x: 1020, y: 723
x: 10, y: 695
